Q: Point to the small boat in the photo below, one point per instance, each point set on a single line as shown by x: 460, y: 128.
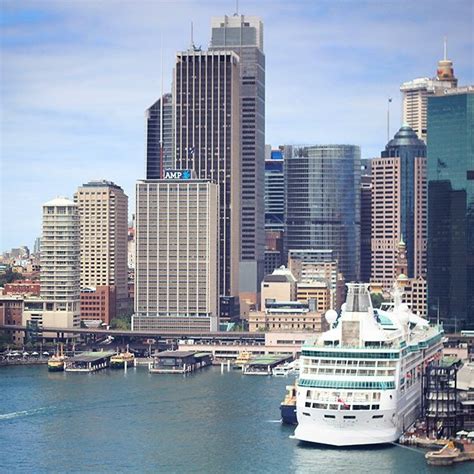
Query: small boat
x: 243, y: 358
x: 282, y: 370
x: 446, y: 456
x: 118, y: 361
x: 56, y: 361
x: 288, y: 406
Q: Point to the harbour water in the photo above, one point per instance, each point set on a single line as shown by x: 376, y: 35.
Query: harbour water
x: 207, y: 422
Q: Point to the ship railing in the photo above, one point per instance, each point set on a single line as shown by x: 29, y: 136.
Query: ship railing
x: 390, y: 346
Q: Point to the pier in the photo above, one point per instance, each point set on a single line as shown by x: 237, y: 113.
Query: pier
x: 179, y: 362
x: 88, y: 361
x: 265, y: 364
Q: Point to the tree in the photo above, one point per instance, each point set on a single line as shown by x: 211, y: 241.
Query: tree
x: 9, y: 276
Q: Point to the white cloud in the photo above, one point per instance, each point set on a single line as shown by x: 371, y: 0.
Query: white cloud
x: 76, y: 82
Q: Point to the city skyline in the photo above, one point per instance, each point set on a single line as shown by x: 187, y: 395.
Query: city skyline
x: 78, y: 78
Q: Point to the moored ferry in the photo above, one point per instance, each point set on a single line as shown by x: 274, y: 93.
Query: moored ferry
x: 242, y: 359
x: 361, y: 382
x: 118, y: 361
x: 56, y: 361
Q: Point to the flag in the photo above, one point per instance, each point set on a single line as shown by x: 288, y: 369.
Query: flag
x: 441, y: 164
x: 340, y: 400
x: 390, y: 99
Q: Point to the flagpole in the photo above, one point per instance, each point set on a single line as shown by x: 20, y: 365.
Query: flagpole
x: 388, y: 118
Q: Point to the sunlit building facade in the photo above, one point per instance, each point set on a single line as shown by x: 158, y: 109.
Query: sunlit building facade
x: 322, y: 188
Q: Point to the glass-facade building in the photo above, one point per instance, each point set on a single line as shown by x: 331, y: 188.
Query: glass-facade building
x: 158, y: 160
x: 451, y: 209
x: 274, y: 192
x: 322, y: 205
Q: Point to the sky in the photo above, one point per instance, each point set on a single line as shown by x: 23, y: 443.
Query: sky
x: 76, y: 77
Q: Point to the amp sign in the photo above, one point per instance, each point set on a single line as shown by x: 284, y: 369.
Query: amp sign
x: 177, y: 174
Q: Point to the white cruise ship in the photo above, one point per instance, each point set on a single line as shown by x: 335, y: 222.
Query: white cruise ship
x: 360, y: 382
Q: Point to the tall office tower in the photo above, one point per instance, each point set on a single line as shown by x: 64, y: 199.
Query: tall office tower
x: 60, y: 264
x: 37, y: 246
x: 274, y: 209
x: 322, y: 188
x: 176, y: 271
x: 103, y: 211
x: 415, y: 95
x: 365, y: 220
x: 399, y: 207
x: 207, y: 141
x: 274, y: 191
x: 244, y: 35
x: 159, y: 137
x: 451, y: 208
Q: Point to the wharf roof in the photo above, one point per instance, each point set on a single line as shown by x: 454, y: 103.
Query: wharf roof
x: 176, y: 354
x: 92, y: 356
x: 269, y: 359
x: 202, y: 354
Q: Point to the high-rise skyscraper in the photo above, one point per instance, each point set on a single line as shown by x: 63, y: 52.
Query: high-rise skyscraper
x: 159, y: 137
x: 244, y: 35
x: 274, y: 191
x: 322, y: 187
x: 365, y: 220
x: 451, y: 208
x: 415, y: 95
x: 399, y: 207
x: 103, y: 212
x: 176, y: 271
x: 207, y: 141
x: 60, y: 265
x: 274, y: 209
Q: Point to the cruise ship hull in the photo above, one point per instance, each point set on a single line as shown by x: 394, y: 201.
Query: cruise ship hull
x: 345, y: 433
x: 345, y: 438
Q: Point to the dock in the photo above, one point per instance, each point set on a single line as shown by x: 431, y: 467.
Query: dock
x: 88, y: 361
x: 265, y: 364
x: 179, y: 362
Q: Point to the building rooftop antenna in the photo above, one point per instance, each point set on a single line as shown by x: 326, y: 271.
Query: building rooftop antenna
x: 236, y: 8
x: 161, y: 113
x: 445, y: 48
x: 192, y: 37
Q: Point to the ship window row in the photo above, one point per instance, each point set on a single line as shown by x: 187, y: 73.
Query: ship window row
x: 349, y: 398
x: 354, y: 371
x: 351, y: 355
x: 334, y: 406
x: 346, y: 384
x: 351, y: 363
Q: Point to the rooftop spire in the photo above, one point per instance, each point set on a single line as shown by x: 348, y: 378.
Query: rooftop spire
x: 445, y: 70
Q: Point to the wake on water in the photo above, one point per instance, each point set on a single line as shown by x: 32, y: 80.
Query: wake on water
x: 18, y: 414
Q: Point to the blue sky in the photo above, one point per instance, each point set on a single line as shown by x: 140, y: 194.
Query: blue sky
x: 77, y: 76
